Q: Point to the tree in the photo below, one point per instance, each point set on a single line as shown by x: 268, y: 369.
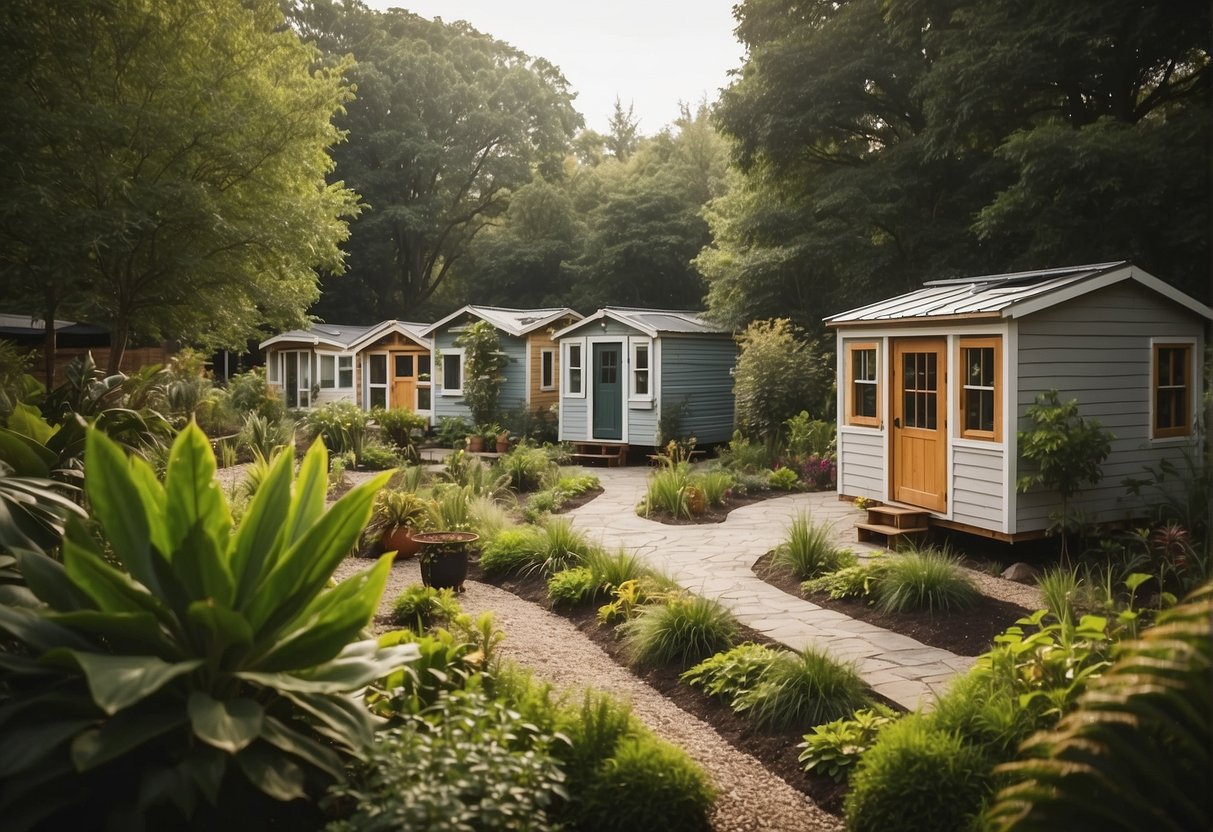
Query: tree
x: 163, y: 167
x: 622, y: 139
x: 779, y: 373
x: 483, y: 364
x: 447, y: 122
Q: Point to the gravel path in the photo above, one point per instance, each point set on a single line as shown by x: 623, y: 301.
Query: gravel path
x: 749, y: 797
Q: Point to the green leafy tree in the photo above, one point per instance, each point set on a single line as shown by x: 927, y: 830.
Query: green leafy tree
x: 623, y: 137
x: 180, y: 671
x: 483, y: 365
x: 447, y: 123
x: 778, y: 374
x: 163, y: 167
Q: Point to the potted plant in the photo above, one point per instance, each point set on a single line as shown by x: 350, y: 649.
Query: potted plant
x: 444, y: 558
x: 475, y: 442
x: 396, y: 517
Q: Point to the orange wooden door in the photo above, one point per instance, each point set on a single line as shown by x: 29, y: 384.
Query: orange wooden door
x: 919, y: 446
x: 404, y: 378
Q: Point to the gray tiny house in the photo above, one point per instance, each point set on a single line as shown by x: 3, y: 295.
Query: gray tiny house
x: 627, y: 373
x: 933, y: 386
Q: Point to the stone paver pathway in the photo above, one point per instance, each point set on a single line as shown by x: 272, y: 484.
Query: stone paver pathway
x: 714, y: 560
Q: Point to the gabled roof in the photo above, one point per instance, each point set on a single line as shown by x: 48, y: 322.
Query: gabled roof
x: 29, y: 325
x: 652, y: 322
x: 1009, y: 295
x: 517, y: 322
x: 340, y: 336
x: 412, y: 331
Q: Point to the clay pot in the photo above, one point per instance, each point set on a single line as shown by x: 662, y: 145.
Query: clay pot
x: 475, y: 443
x: 401, y: 542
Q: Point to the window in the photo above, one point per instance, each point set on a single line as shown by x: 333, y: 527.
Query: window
x: 336, y: 371
x: 423, y: 367
x: 1172, y: 384
x: 640, y: 370
x: 328, y: 372
x: 376, y: 380
x: 452, y: 373
x: 271, y: 368
x: 863, y: 385
x: 345, y: 372
x: 547, y: 369
x: 980, y: 390
x: 573, y: 368
x: 404, y: 366
x: 424, y: 402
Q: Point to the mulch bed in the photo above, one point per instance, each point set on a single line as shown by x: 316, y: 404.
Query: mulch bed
x: 776, y: 751
x: 963, y: 632
x: 716, y: 514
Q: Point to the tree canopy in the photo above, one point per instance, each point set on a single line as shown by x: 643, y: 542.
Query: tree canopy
x: 162, y: 167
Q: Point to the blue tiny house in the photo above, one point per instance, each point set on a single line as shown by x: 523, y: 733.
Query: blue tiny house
x: 532, y: 374
x: 934, y: 385
x: 630, y: 373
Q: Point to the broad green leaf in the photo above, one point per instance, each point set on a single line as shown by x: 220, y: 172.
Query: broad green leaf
x: 26, y: 457
x: 304, y: 747
x: 149, y: 488
x: 118, y: 506
x: 194, y: 503
x: 218, y: 627
x: 201, y: 568
x: 272, y: 772
x: 358, y: 665
x: 110, y: 589
x: 124, y: 631
x: 122, y: 733
x: 27, y: 420
x: 27, y: 745
x: 330, y: 621
x: 1136, y: 579
x: 117, y: 682
x: 343, y: 719
x: 205, y: 766
x: 305, y: 567
x: 259, y: 540
x: 28, y: 626
x: 50, y: 582
x: 228, y: 725
x: 311, y: 485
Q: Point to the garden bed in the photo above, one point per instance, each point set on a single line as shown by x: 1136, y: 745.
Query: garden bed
x: 714, y: 514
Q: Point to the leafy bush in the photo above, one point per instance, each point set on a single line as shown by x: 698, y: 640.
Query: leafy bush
x: 783, y: 479
x: 649, y: 784
x: 378, y: 457
x: 917, y: 778
x: 423, y: 607
x: 850, y: 581
x: 262, y: 435
x: 683, y: 630
x: 483, y: 365
x: 571, y: 587
x: 214, y: 679
x: 452, y: 430
x: 716, y: 486
x: 401, y: 427
x: 778, y: 370
x: 928, y: 580
x: 341, y: 425
x: 469, y: 764
x: 667, y: 491
x: 448, y: 660
x: 834, y: 748
x: 250, y: 393
x: 729, y: 673
x: 809, y: 437
x: 809, y: 549
x: 743, y: 455
x: 525, y: 466
x: 799, y: 690
x: 818, y: 473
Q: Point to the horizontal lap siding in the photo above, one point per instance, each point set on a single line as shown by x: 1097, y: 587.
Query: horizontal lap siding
x: 513, y: 392
x: 696, y: 370
x: 1096, y: 349
x: 863, y: 472
x: 978, y: 479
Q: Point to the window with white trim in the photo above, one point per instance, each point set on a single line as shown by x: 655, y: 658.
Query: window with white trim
x: 547, y: 369
x: 452, y: 373
x: 1172, y: 386
x: 271, y: 367
x: 573, y: 371
x: 336, y: 371
x: 328, y: 371
x: 345, y: 372
x: 640, y: 370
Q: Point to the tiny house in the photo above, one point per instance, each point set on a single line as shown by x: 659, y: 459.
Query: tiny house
x: 934, y: 385
x: 532, y: 372
x: 644, y: 376
x: 382, y: 365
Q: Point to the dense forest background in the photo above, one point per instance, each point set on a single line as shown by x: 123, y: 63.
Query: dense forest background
x: 190, y: 175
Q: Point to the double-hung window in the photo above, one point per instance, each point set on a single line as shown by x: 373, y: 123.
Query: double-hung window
x: 336, y: 371
x: 1172, y: 383
x: 547, y: 369
x: 863, y: 385
x: 573, y: 371
x: 452, y: 372
x: 641, y: 388
x: 981, y: 388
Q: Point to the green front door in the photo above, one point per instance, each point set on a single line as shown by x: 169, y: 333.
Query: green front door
x: 608, y: 391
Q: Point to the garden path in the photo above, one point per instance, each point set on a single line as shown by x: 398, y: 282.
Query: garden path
x: 714, y: 559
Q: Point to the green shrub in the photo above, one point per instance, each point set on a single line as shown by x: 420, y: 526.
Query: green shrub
x: 470, y: 764
x: 512, y: 550
x: 378, y: 457
x: 451, y: 431
x: 742, y: 455
x: 571, y: 587
x: 834, y: 748
x: 250, y: 393
x: 401, y: 427
x: 448, y: 660
x: 1059, y: 586
x: 809, y: 437
x: 917, y: 778
x: 809, y: 550
x: 341, y: 425
x: 262, y: 435
x: 563, y: 547
x: 525, y: 466
x: 649, y: 784
x: 423, y: 607
x: 631, y: 596
x: 783, y: 479
x: 450, y: 509
x: 610, y: 569
x: 209, y: 677
x: 799, y: 690
x: 729, y: 673
x: 682, y: 631
x: 595, y: 726
x: 928, y: 580
x: 716, y: 485
x: 667, y: 491
x: 488, y: 517
x: 778, y: 371
x: 850, y: 581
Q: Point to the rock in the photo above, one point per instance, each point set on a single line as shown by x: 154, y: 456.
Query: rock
x: 1021, y: 572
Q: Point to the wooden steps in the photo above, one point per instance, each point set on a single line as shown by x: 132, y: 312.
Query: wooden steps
x: 888, y: 523
x: 612, y: 453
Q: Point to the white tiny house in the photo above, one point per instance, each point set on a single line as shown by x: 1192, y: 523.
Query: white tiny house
x: 934, y: 385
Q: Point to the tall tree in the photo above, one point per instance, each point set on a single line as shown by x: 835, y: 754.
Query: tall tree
x: 623, y: 137
x: 163, y: 166
x: 446, y: 123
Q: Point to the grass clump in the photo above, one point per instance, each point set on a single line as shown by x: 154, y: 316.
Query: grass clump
x: 422, y: 607
x: 1059, y: 586
x: 684, y: 630
x: 716, y: 485
x: 512, y: 550
x: 649, y: 784
x: 799, y: 690
x: 667, y: 492
x: 809, y: 550
x: 927, y: 579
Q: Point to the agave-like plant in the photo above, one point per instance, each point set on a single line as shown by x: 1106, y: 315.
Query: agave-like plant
x: 211, y: 679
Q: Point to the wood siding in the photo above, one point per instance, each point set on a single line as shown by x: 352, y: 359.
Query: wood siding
x: 695, y: 371
x: 513, y: 392
x: 1097, y: 349
x: 543, y: 399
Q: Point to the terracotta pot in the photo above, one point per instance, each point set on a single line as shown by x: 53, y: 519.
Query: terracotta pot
x: 401, y: 542
x: 697, y: 501
x: 444, y: 558
x: 503, y: 447
x: 475, y: 443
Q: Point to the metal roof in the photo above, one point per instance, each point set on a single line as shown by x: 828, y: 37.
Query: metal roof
x: 654, y: 322
x: 1008, y: 295
x: 516, y: 322
x: 29, y: 325
x: 333, y: 335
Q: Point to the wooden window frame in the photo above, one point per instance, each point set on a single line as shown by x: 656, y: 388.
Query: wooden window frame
x: 547, y: 369
x: 396, y: 359
x: 962, y: 384
x: 852, y: 418
x: 1189, y: 387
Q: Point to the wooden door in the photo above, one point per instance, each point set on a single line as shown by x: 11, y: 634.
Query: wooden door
x: 608, y: 391
x: 919, y: 447
x: 404, y: 378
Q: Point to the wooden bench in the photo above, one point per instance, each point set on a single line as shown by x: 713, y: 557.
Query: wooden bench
x: 612, y: 453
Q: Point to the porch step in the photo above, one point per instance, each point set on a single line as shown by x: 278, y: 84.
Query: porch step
x: 882, y: 533
x: 898, y: 517
x: 612, y: 453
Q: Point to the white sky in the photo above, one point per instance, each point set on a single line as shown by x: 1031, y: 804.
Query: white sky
x: 651, y: 53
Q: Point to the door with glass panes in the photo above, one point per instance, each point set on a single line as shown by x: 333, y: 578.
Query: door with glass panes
x: 918, y: 438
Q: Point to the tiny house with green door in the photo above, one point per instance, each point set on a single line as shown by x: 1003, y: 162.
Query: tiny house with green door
x: 645, y: 376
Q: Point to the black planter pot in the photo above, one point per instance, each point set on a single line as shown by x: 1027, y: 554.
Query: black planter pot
x: 444, y: 558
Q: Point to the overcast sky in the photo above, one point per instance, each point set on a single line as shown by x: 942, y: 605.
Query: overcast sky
x: 651, y: 53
